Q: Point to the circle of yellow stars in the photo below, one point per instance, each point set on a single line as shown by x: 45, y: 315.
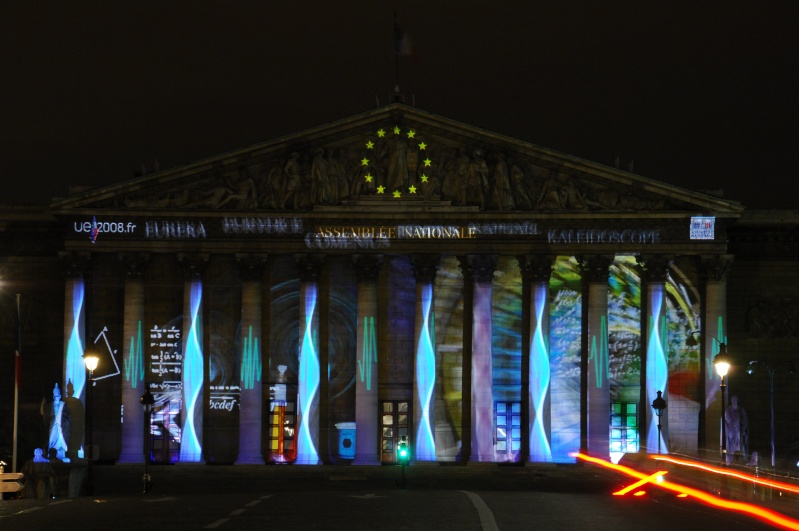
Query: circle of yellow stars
x: 426, y: 162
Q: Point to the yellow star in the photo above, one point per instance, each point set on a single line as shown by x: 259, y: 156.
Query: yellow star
x: 397, y: 193
x: 411, y: 133
x: 370, y: 145
x: 424, y: 178
x: 364, y: 161
x: 368, y: 177
x: 412, y: 189
x: 427, y: 162
x: 422, y: 145
x: 381, y: 189
x: 396, y: 130
x: 381, y: 133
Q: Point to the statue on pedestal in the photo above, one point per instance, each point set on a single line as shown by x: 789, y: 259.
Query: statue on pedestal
x: 56, y: 415
x: 737, y: 431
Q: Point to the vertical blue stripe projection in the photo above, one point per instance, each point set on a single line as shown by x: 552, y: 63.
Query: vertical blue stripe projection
x: 426, y: 377
x: 250, y: 362
x: 75, y: 369
x: 657, y: 375
x: 309, y: 381
x: 540, y: 376
x: 134, y: 363
x: 190, y: 445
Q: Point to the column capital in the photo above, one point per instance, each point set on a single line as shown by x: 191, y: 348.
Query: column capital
x: 655, y: 266
x: 134, y: 264
x: 595, y: 267
x: 425, y: 266
x: 75, y: 263
x: 193, y: 265
x: 716, y: 267
x: 309, y: 266
x: 536, y: 267
x: 251, y: 265
x: 478, y: 267
x: 367, y: 266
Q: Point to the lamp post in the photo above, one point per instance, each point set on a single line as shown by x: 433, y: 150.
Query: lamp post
x: 722, y: 363
x: 147, y: 400
x: 659, y: 404
x: 91, y: 361
x: 771, y: 370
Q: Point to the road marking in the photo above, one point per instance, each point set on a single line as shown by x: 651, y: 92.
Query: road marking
x: 365, y: 496
x: 217, y: 523
x: 486, y: 516
x: 152, y: 500
x: 266, y: 496
x: 236, y: 512
x: 60, y: 501
x: 254, y: 502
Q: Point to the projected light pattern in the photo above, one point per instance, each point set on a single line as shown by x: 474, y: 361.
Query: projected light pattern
x: 599, y: 354
x: 309, y: 381
x: 714, y: 383
x: 365, y: 366
x: 190, y: 446
x: 426, y: 377
x: 75, y: 369
x: 540, y: 449
x: 134, y: 363
x: 251, y: 364
x: 657, y: 375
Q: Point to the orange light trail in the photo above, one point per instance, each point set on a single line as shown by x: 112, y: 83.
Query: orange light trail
x: 654, y: 477
x: 755, y: 511
x: 726, y: 472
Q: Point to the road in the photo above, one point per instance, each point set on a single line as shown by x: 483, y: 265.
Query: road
x: 353, y: 502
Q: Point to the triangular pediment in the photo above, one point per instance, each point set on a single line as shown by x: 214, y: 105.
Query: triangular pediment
x: 397, y: 154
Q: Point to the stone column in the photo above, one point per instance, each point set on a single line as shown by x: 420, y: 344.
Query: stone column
x: 655, y: 363
x: 75, y: 265
x: 536, y: 272
x: 367, y: 448
x: 715, y: 269
x: 193, y: 371
x: 481, y: 268
x: 251, y: 364
x: 594, y: 362
x: 425, y: 268
x: 310, y: 369
x: 133, y: 384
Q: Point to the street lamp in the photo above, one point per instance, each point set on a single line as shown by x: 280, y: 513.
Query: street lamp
x: 659, y: 404
x: 91, y: 361
x: 750, y: 369
x: 722, y: 363
x: 147, y: 400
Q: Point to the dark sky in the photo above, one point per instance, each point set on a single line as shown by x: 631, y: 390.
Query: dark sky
x: 698, y: 94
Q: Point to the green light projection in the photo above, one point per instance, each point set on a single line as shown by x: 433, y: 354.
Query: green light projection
x: 134, y: 364
x: 251, y: 364
x: 369, y: 352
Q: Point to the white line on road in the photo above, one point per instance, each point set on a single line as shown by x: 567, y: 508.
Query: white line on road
x: 217, y: 523
x: 254, y: 502
x: 486, y: 516
x: 236, y: 512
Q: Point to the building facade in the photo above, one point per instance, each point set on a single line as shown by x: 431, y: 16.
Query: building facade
x: 395, y: 274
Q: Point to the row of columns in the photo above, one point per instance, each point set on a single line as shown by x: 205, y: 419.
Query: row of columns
x: 478, y: 400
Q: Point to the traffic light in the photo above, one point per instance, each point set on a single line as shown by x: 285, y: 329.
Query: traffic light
x: 403, y: 450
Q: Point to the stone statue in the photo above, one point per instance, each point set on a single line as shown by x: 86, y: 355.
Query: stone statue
x: 501, y: 196
x: 57, y: 417
x: 737, y: 428
x: 397, y: 173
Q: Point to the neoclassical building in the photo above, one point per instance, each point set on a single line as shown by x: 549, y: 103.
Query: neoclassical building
x: 314, y: 298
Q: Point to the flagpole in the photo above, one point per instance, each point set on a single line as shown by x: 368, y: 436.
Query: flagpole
x: 396, y: 53
x: 17, y: 377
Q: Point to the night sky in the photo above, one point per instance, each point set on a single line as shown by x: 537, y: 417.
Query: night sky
x: 695, y: 94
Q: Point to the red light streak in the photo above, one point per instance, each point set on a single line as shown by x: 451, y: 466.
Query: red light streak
x: 653, y: 477
x: 755, y: 511
x: 726, y: 472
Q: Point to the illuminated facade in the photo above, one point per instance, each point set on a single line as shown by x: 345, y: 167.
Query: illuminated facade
x: 492, y: 300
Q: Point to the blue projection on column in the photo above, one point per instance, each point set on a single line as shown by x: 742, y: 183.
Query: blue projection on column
x: 657, y: 373
x: 309, y: 381
x: 190, y: 446
x: 539, y: 378
x: 134, y: 363
x: 75, y: 369
x: 426, y: 377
